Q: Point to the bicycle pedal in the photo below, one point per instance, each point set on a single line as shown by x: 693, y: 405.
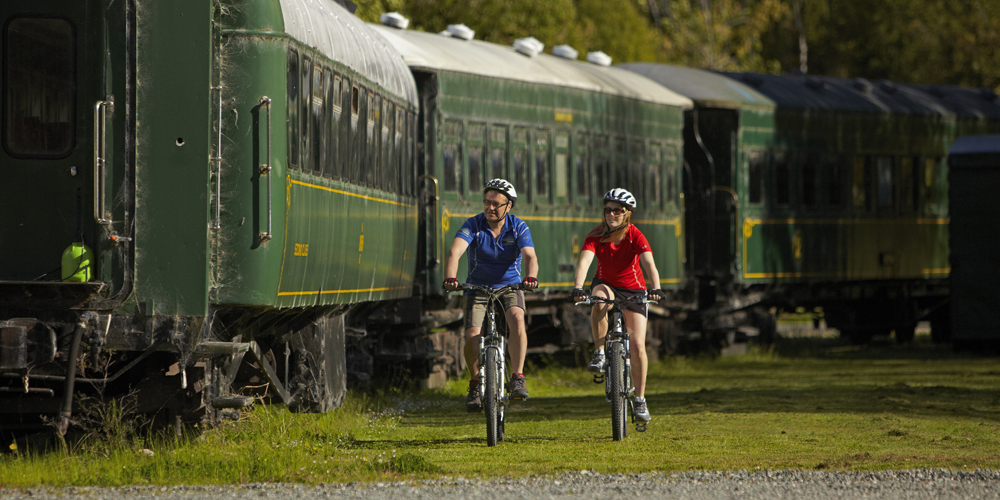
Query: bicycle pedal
x: 599, y: 378
x: 640, y: 427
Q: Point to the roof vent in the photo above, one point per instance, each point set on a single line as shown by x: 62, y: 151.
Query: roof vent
x: 936, y: 91
x: 565, y: 52
x: 529, y: 46
x: 862, y: 85
x: 815, y: 83
x: 459, y: 31
x: 987, y: 94
x: 394, y: 20
x: 599, y: 58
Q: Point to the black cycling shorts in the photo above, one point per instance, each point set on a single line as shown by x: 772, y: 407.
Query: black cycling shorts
x: 625, y: 293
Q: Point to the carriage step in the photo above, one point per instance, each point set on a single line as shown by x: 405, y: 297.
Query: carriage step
x: 232, y: 402
x: 207, y: 350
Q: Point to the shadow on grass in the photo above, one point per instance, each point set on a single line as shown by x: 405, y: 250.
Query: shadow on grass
x: 896, y: 398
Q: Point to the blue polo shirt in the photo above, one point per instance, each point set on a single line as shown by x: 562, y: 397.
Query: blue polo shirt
x: 495, y: 262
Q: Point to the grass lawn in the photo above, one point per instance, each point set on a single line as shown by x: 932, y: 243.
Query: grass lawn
x: 803, y: 404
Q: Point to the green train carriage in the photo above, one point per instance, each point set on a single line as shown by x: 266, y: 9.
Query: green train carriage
x: 236, y: 205
x: 563, y: 132
x: 824, y: 193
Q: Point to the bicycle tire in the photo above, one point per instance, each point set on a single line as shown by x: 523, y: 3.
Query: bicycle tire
x: 491, y: 400
x: 616, y: 370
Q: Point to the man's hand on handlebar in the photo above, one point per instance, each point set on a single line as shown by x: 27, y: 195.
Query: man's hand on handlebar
x: 451, y: 284
x: 530, y: 283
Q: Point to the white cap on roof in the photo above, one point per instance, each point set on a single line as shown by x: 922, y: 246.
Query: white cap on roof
x: 394, y: 20
x: 599, y: 58
x: 565, y: 52
x: 460, y: 31
x: 529, y: 46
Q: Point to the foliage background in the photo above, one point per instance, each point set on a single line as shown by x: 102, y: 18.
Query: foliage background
x: 909, y: 41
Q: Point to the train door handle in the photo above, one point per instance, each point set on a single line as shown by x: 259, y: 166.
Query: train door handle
x: 102, y: 110
x: 265, y: 169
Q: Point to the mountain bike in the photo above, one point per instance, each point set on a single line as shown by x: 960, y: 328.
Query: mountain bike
x: 617, y: 375
x: 492, y: 362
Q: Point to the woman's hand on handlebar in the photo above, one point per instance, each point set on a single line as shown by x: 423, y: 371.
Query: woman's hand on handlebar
x: 579, y: 295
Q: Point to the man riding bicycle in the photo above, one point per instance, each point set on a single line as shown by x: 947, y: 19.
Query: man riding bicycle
x: 497, y: 241
x: 620, y: 249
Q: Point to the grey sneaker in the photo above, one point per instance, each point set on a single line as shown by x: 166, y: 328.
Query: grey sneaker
x: 597, y: 364
x: 517, y: 387
x: 473, y: 403
x: 641, y: 412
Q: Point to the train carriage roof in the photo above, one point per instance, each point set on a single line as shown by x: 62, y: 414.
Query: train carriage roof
x: 341, y: 36
x: 439, y: 53
x: 858, y: 94
x: 703, y: 87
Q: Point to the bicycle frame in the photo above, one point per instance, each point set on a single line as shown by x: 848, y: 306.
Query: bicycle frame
x: 616, y: 343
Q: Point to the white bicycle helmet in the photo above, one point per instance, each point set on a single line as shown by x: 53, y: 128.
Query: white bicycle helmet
x: 621, y: 196
x: 504, y: 187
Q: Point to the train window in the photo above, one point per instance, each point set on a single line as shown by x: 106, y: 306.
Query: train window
x: 398, y: 152
x: 357, y: 139
x: 477, y: 133
x: 620, y: 173
x: 292, y: 90
x: 520, y: 164
x: 653, y: 186
x: 602, y: 165
x: 39, y: 101
x: 333, y: 95
x: 542, y: 166
x: 755, y: 177
x: 372, y: 166
x: 561, y: 170
x: 930, y: 181
x: 583, y: 174
x: 305, y: 113
x: 832, y: 181
x: 809, y: 187
x: 452, y: 155
x: 637, y: 165
x: 907, y: 184
x: 859, y: 189
x: 884, y: 166
x: 670, y: 157
x: 782, y: 181
x: 498, y: 151
x: 318, y: 130
x: 410, y: 133
x: 390, y: 180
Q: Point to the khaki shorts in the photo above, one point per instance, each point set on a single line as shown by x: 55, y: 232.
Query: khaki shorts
x: 475, y: 306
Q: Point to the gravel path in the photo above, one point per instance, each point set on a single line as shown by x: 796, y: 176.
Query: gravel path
x: 765, y: 485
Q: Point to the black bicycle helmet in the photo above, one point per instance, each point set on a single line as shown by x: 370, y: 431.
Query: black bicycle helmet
x: 504, y: 187
x: 621, y: 196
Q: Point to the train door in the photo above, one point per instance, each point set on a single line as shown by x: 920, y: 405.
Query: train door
x: 62, y: 165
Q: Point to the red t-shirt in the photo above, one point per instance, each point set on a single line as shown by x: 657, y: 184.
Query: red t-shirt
x: 618, y: 265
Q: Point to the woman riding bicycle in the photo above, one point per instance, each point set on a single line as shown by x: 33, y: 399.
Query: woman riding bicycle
x: 620, y: 249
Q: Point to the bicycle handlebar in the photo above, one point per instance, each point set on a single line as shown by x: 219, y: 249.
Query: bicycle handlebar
x: 491, y: 291
x: 594, y: 300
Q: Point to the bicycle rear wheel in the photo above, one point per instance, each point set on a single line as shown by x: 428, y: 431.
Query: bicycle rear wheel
x: 491, y: 399
x: 616, y: 372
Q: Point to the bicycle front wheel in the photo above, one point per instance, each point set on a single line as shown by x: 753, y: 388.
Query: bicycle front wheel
x: 616, y: 373
x: 491, y: 398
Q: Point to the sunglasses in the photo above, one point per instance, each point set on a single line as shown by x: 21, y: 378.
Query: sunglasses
x: 493, y: 204
x: 615, y: 211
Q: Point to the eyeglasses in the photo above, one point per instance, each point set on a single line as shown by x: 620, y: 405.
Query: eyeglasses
x: 494, y: 205
x: 616, y: 211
